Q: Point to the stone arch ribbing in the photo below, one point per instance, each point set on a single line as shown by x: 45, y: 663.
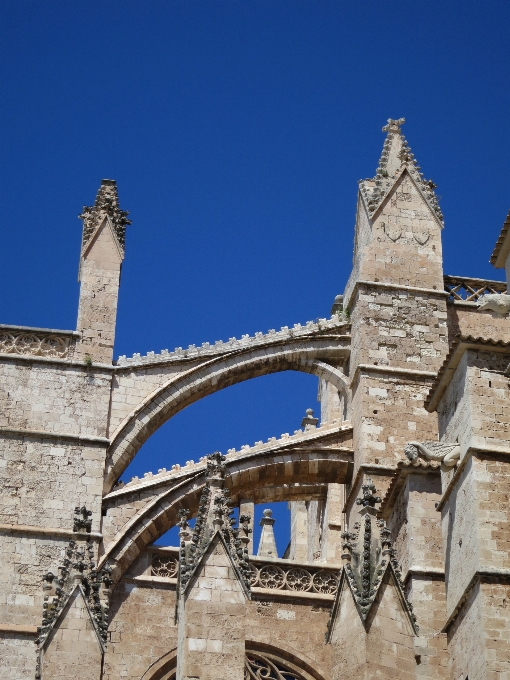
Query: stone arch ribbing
x: 299, y: 474
x: 214, y: 375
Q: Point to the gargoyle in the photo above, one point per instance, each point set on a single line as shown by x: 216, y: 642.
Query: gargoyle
x: 496, y: 302
x: 447, y: 454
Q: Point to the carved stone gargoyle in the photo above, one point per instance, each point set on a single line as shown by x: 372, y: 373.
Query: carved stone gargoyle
x: 447, y: 454
x: 496, y: 302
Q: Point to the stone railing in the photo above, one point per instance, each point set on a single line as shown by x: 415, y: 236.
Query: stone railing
x: 39, y: 342
x: 220, y: 347
x: 287, y: 575
x: 464, y: 289
x: 277, y: 575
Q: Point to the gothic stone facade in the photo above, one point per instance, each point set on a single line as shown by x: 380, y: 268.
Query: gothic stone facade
x: 399, y: 557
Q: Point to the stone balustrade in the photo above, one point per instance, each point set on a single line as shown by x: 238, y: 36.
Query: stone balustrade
x: 274, y: 574
x: 40, y: 342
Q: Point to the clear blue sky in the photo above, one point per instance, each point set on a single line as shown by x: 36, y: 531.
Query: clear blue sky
x: 237, y: 131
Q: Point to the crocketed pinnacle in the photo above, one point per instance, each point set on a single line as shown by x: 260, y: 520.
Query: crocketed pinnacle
x: 368, y: 556
x: 214, y: 515
x: 106, y: 204
x: 396, y: 155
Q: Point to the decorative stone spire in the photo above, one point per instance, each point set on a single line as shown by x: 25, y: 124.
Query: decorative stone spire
x: 267, y: 544
x: 368, y: 555
x: 309, y: 422
x: 105, y: 205
x: 396, y: 155
x: 76, y: 571
x: 214, y: 515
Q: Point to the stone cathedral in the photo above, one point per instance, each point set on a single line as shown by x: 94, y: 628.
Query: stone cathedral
x: 398, y: 563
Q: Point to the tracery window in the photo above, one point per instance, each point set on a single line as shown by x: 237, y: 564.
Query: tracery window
x: 258, y: 667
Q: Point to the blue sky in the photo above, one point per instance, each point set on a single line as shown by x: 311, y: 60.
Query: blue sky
x: 237, y: 131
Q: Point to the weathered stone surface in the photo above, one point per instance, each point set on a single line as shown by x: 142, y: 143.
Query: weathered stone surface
x: 408, y: 356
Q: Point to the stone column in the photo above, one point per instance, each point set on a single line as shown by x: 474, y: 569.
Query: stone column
x: 298, y: 531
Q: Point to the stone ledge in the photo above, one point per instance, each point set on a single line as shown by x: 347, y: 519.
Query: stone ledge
x: 65, y: 363
x: 47, y: 531
x: 290, y: 595
x: 151, y: 581
x: 34, y: 329
x: 393, y: 286
x: 22, y: 432
x: 376, y: 368
x: 17, y: 629
x: 430, y: 573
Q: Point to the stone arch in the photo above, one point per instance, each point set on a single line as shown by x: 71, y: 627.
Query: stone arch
x: 166, y: 666
x: 299, y: 475
x: 214, y: 375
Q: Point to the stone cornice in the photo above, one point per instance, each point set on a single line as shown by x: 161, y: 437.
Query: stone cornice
x: 289, y: 595
x: 373, y: 368
x: 64, y: 363
x: 479, y: 576
x: 27, y: 529
x: 18, y: 629
x: 43, y: 434
x: 34, y: 329
x: 393, y: 286
x: 429, y: 573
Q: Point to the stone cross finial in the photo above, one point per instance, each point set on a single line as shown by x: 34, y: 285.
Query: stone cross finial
x: 368, y: 497
x: 394, y: 125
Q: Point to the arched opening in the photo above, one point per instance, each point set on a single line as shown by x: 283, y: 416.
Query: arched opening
x: 188, y: 387
x: 262, y: 662
x: 251, y: 411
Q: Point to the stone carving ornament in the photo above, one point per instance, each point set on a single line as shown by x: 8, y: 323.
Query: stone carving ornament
x: 393, y: 231
x: 41, y: 345
x: 496, y: 302
x: 447, y: 454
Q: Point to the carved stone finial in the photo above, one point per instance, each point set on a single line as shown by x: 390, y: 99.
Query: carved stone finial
x: 368, y: 498
x: 216, y: 465
x: 309, y: 422
x: 106, y: 204
x: 393, y: 125
x: 82, y: 521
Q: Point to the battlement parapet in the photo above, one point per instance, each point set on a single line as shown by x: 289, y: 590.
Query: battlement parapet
x: 220, y: 347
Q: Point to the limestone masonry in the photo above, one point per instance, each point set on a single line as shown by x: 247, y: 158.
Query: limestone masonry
x: 398, y: 563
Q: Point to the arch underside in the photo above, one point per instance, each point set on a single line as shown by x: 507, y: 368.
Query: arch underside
x: 188, y: 387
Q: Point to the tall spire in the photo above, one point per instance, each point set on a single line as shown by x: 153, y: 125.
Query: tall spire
x: 396, y: 155
x: 106, y: 203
